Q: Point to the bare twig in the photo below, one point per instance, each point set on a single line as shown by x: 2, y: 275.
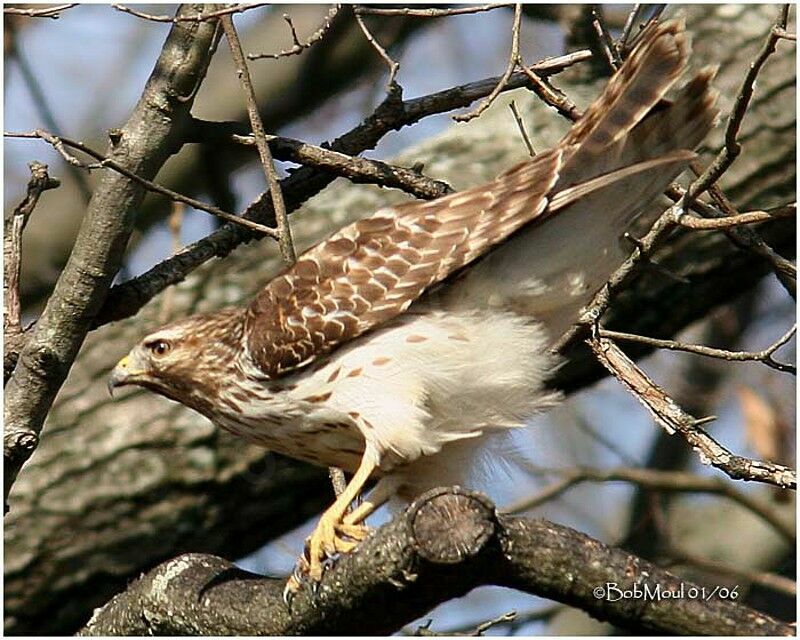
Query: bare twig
x: 175, y: 222
x: 267, y: 163
x: 738, y: 219
x: 198, y: 17
x: 764, y: 356
x: 429, y: 12
x: 48, y: 12
x: 550, y: 95
x: 604, y: 39
x: 39, y: 182
x: 297, y: 46
x: 393, y: 65
x: 622, y: 42
x: 672, y: 418
x: 522, y: 130
x: 513, y: 60
x: 658, y: 480
x: 742, y: 237
x: 770, y: 581
x: 424, y: 630
x: 732, y: 148
x: 59, y: 143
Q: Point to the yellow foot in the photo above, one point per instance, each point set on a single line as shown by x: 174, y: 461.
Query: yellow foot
x: 331, y: 537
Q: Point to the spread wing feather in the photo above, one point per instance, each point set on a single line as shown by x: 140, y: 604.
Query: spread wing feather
x: 372, y: 270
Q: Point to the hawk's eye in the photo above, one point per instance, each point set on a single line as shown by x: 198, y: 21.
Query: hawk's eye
x: 159, y: 347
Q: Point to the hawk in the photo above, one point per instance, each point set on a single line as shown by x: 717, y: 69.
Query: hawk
x: 399, y: 348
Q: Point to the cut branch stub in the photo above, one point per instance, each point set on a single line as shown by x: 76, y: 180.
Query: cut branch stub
x: 450, y: 525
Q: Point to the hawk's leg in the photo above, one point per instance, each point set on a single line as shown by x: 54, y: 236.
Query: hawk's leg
x: 327, y: 538
x: 351, y: 525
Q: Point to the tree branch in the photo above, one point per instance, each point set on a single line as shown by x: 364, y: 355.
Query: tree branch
x: 445, y: 544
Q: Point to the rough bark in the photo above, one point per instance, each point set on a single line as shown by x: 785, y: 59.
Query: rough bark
x: 448, y: 542
x: 117, y: 487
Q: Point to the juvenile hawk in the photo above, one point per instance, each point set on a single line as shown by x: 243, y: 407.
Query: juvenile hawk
x: 379, y: 352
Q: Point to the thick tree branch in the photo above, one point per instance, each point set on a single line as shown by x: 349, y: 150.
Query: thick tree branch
x: 447, y: 543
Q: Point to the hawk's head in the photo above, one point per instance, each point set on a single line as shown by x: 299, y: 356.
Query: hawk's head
x: 187, y: 360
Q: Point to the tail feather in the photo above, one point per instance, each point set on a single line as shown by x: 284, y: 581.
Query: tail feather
x: 626, y: 149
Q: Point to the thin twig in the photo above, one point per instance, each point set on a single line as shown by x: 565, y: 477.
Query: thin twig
x: 551, y: 96
x: 749, y: 217
x: 604, y: 39
x: 666, y: 412
x: 429, y: 13
x: 298, y: 47
x: 732, y: 148
x: 175, y: 222
x: 393, y: 65
x: 49, y: 12
x: 522, y: 130
x: 424, y: 630
x: 771, y: 581
x: 199, y: 17
x: 267, y: 163
x: 764, y: 356
x: 622, y: 42
x: 40, y: 181
x: 59, y: 143
x: 656, y: 479
x: 513, y: 60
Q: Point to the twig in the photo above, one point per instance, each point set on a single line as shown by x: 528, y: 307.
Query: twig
x: 355, y: 168
x: 429, y: 13
x: 770, y: 581
x: 513, y: 60
x: 59, y: 142
x: 750, y: 217
x: 393, y: 65
x: 523, y: 132
x: 175, y: 222
x: 673, y: 419
x: 298, y: 47
x: 267, y: 163
x: 764, y: 356
x: 424, y: 630
x: 551, y: 96
x: 742, y: 237
x: 40, y: 181
x: 655, y: 479
x: 604, y: 39
x: 49, y: 12
x: 622, y: 42
x: 732, y: 148
x: 199, y: 17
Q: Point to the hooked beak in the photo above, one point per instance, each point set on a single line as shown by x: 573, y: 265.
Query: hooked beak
x: 122, y: 374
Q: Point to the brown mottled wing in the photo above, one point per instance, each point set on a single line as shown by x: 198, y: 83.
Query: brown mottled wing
x: 373, y: 269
